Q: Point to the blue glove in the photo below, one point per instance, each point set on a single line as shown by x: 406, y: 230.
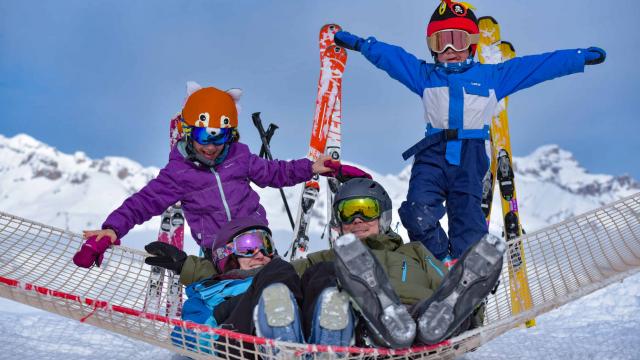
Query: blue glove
x: 348, y: 41
x: 594, y: 56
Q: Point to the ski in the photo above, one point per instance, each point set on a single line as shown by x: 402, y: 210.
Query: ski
x: 176, y: 234
x: 492, y: 50
x: 333, y: 147
x: 171, y: 232
x: 332, y: 64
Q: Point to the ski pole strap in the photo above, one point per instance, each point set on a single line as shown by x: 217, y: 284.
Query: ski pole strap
x: 435, y: 135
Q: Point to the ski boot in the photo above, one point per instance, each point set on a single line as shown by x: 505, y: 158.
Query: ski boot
x: 462, y: 290
x: 487, y: 193
x: 333, y: 320
x: 277, y: 315
x: 362, y: 277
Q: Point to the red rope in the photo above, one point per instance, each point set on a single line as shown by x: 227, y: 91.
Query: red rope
x: 99, y: 304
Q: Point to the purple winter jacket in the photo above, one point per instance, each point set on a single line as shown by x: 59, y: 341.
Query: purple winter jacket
x: 210, y: 196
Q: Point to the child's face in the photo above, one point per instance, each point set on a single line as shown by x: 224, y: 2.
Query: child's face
x: 451, y: 56
x: 209, y: 152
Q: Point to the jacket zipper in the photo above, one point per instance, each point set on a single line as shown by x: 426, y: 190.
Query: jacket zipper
x: 404, y: 270
x: 224, y: 199
x: 438, y: 270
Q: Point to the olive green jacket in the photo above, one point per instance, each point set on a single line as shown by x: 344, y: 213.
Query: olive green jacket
x: 413, y: 271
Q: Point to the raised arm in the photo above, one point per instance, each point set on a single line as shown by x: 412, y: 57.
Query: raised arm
x: 394, y: 60
x: 523, y: 72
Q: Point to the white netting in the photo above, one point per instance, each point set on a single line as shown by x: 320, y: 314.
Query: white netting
x: 564, y: 262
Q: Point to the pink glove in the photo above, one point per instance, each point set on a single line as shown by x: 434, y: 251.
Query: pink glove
x: 344, y: 172
x: 92, y: 251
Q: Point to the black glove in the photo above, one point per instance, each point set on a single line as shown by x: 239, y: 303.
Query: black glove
x: 165, y: 256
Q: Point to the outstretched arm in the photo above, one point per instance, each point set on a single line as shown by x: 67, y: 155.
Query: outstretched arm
x: 279, y: 173
x: 394, y: 60
x: 523, y: 72
x: 151, y: 200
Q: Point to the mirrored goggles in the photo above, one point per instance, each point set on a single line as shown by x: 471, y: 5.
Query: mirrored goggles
x: 214, y: 136
x: 456, y: 39
x: 365, y: 208
x: 251, y: 242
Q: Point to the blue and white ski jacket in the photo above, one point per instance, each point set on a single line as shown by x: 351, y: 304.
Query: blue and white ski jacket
x: 467, y: 100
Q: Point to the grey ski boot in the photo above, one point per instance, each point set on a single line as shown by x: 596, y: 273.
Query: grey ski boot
x: 470, y: 280
x: 363, y: 278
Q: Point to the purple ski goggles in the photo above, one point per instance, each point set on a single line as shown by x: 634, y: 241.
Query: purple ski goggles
x: 250, y: 243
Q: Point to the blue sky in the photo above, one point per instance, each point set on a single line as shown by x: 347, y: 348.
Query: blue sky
x: 104, y: 77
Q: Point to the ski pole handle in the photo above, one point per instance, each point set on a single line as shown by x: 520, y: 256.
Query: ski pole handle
x: 270, y: 131
x: 265, y: 144
x: 267, y: 151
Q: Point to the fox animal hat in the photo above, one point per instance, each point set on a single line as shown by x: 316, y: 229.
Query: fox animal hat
x: 212, y: 108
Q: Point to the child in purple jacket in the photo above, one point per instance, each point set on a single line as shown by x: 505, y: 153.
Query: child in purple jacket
x: 209, y: 171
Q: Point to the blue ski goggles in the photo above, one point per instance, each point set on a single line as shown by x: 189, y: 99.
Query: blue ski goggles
x: 211, y: 136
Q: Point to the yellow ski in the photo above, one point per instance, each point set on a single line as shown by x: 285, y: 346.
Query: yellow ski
x: 492, y: 50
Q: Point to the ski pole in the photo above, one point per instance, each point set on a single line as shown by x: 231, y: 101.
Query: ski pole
x: 267, y: 151
x: 269, y: 134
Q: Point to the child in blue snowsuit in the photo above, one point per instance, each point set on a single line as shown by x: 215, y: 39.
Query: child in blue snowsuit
x: 459, y: 96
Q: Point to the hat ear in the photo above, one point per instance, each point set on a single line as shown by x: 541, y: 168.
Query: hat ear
x: 192, y: 87
x: 235, y: 95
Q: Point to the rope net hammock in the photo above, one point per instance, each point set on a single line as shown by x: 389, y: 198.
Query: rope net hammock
x: 563, y: 262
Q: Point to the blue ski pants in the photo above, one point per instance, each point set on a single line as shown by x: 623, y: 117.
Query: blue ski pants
x: 433, y: 182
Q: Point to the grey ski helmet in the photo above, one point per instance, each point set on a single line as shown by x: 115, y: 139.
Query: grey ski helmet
x: 363, y: 187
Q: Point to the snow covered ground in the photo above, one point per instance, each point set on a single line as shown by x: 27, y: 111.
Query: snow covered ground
x: 602, y: 325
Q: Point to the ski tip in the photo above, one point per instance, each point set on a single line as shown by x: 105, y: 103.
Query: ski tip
x: 333, y: 28
x: 508, y: 43
x: 488, y: 18
x: 507, y: 49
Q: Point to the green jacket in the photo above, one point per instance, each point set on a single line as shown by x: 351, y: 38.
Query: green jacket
x: 413, y: 271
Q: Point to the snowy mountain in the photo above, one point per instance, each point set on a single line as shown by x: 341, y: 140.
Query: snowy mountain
x: 72, y: 191
x: 75, y: 192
